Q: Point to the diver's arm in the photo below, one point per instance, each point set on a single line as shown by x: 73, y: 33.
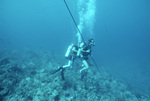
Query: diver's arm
x: 74, y: 50
x: 86, y: 50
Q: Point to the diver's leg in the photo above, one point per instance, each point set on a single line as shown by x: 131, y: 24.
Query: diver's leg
x: 69, y: 64
x: 55, y: 71
x: 86, y: 66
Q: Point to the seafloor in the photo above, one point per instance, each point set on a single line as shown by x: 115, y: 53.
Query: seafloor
x: 26, y: 76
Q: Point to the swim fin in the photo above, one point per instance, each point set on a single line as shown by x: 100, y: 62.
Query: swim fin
x: 83, y: 74
x: 62, y: 74
x: 55, y: 71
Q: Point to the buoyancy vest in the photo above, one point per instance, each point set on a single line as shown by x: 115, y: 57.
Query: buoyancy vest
x: 85, y: 48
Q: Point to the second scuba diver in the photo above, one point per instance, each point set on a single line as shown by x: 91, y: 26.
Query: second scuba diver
x: 83, y: 52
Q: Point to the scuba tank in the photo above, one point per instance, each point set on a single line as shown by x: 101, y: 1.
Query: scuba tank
x: 68, y: 50
x: 80, y: 46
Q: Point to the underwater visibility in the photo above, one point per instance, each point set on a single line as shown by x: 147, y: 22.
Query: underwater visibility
x: 74, y: 50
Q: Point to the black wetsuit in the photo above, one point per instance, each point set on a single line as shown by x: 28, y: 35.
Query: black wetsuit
x: 84, y: 55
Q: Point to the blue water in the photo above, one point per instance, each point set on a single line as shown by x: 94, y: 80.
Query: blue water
x: 121, y: 31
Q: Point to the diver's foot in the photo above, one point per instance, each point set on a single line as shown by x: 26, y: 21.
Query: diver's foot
x: 83, y: 74
x: 60, y: 67
x: 80, y: 71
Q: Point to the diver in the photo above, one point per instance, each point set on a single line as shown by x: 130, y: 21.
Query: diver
x: 71, y: 55
x: 83, y: 52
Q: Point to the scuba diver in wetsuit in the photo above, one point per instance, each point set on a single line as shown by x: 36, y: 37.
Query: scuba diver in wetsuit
x: 83, y: 52
x: 71, y: 55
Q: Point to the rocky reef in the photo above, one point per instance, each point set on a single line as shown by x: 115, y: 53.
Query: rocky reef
x: 26, y: 76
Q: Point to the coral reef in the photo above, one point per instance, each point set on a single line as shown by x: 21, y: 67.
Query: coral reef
x: 26, y: 76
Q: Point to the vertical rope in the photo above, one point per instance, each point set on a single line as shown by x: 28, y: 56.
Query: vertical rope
x: 74, y: 20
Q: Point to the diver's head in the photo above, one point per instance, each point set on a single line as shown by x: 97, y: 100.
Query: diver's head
x: 91, y: 42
